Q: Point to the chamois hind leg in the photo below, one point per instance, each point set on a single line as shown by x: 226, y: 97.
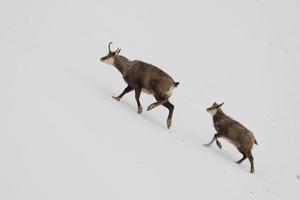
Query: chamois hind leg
x: 159, y: 95
x: 137, y: 98
x: 125, y: 91
x: 161, y: 99
x: 158, y: 103
x: 250, y: 157
x: 170, y: 106
x: 243, y: 158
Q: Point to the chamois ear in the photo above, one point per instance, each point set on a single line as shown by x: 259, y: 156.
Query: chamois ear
x: 117, y: 52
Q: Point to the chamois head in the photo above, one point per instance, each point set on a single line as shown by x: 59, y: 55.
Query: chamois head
x: 214, y: 108
x: 110, y: 57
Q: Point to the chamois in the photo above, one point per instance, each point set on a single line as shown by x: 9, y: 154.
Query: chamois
x: 232, y: 131
x: 141, y: 76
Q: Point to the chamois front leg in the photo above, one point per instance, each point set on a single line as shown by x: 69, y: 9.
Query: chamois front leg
x: 215, y: 138
x: 212, y: 141
x: 219, y: 144
x: 125, y: 91
x: 137, y: 98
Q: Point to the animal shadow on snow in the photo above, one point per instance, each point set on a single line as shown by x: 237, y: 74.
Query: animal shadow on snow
x: 103, y: 90
x: 145, y: 114
x: 199, y: 138
x: 182, y: 133
x: 226, y: 155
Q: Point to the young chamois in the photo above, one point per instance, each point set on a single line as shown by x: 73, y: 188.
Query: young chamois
x: 232, y: 131
x: 141, y: 76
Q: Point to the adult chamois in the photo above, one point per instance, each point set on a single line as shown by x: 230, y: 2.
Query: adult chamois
x: 141, y: 76
x: 234, y: 132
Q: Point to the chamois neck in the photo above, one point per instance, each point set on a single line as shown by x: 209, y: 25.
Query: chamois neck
x: 219, y: 114
x: 121, y: 63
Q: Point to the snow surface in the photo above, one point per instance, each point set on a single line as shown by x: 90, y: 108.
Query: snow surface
x: 62, y: 136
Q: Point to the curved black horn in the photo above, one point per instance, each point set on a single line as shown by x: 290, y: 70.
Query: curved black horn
x: 109, y: 46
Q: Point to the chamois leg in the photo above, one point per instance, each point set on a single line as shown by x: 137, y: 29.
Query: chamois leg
x: 171, y: 109
x: 219, y: 144
x: 137, y: 98
x: 125, y: 91
x: 250, y: 157
x: 243, y: 158
x: 215, y: 138
x: 158, y: 103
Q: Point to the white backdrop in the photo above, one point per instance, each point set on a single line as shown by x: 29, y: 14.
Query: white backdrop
x: 62, y: 136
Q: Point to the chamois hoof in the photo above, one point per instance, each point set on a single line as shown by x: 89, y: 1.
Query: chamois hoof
x: 140, y: 110
x: 150, y: 107
x: 116, y: 98
x: 252, y: 171
x: 169, y: 123
x: 206, y: 145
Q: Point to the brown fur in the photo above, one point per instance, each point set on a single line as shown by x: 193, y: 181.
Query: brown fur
x: 234, y: 132
x: 141, y: 76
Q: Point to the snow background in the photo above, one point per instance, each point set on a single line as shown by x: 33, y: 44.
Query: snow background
x: 62, y: 136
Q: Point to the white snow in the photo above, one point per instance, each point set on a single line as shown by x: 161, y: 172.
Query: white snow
x: 62, y: 136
